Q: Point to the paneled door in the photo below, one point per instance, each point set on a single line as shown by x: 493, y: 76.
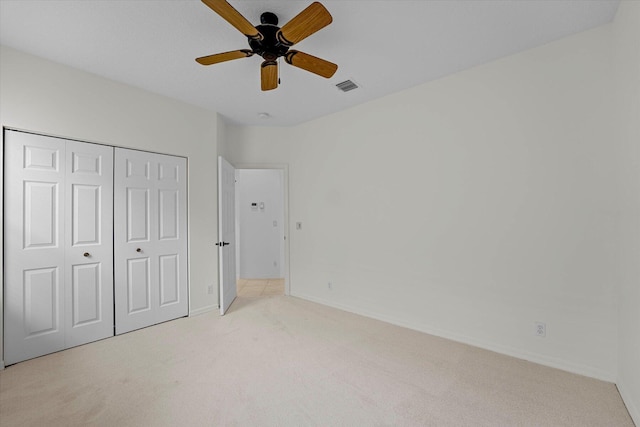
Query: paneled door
x: 89, y: 249
x: 150, y: 230
x: 58, y: 246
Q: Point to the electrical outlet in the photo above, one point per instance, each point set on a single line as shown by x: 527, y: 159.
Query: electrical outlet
x: 541, y: 329
x: 330, y: 285
x: 298, y: 226
x: 210, y: 290
x: 275, y: 263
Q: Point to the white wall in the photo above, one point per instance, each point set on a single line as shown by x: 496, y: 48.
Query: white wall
x: 469, y: 207
x: 627, y: 62
x: 260, y: 240
x: 50, y: 98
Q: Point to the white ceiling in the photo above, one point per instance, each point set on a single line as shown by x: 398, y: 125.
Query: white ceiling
x: 384, y: 46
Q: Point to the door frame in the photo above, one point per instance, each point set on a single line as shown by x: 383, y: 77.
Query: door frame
x: 285, y: 192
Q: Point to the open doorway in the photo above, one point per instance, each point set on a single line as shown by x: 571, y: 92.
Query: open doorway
x: 261, y: 231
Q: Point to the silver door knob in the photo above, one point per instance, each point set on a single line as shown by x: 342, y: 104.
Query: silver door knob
x: 86, y: 254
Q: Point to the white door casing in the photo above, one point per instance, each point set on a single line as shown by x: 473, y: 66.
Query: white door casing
x: 150, y: 230
x: 226, y: 233
x: 58, y: 206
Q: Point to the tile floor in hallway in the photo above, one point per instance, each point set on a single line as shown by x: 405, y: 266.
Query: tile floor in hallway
x: 254, y: 288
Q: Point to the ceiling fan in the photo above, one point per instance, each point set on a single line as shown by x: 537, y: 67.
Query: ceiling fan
x: 271, y: 42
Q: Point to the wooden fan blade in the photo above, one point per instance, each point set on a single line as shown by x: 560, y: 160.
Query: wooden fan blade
x: 222, y: 57
x: 233, y: 17
x: 269, y: 75
x: 311, y: 63
x: 312, y: 19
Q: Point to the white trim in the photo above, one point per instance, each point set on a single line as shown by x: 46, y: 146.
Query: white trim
x: 3, y: 130
x: 203, y: 310
x: 632, y: 408
x: 87, y: 141
x: 551, y: 362
x: 285, y: 171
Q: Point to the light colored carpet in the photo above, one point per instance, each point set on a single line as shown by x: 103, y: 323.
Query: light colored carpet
x: 282, y: 361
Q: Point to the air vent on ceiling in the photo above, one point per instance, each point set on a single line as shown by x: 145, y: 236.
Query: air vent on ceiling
x: 347, y: 85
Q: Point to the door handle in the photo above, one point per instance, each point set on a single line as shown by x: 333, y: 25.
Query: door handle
x: 138, y: 250
x: 222, y: 243
x: 86, y: 254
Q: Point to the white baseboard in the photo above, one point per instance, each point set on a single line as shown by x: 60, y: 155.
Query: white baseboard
x: 202, y: 310
x: 632, y: 405
x: 551, y: 362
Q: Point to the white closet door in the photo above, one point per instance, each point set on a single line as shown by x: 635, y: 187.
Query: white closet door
x: 89, y: 249
x: 150, y: 239
x: 171, y: 237
x: 34, y: 246
x: 55, y: 297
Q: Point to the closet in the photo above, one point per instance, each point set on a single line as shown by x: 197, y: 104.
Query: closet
x: 95, y: 240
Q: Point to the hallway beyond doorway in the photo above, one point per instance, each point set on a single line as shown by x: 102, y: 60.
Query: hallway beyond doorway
x: 256, y: 288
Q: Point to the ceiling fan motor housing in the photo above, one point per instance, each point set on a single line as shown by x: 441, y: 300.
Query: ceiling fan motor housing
x: 270, y: 48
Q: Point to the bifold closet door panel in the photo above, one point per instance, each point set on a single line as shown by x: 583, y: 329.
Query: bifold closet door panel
x: 150, y: 239
x: 171, y: 237
x: 33, y: 246
x: 89, y: 254
x: 58, y: 205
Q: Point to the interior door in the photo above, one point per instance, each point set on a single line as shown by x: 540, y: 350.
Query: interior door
x: 89, y: 248
x: 226, y: 233
x: 57, y: 208
x: 150, y: 235
x: 34, y: 245
x: 171, y: 237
